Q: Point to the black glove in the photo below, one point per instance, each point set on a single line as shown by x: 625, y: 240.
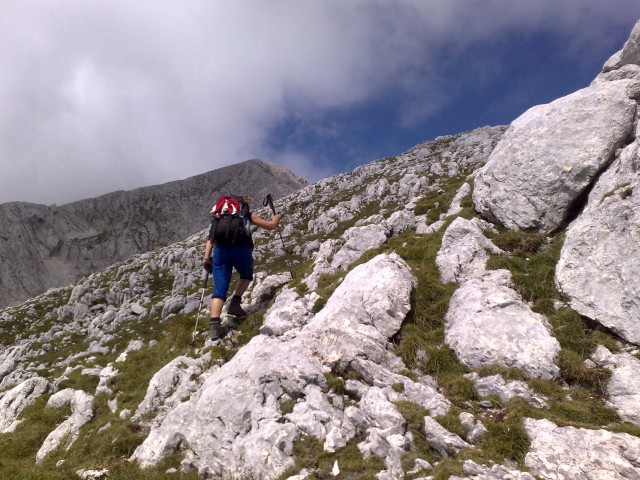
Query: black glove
x: 207, y: 264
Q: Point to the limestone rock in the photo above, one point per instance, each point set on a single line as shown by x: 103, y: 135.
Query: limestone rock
x: 496, y: 385
x: 173, y: 305
x: 623, y: 387
x: 93, y: 474
x: 463, y: 253
x: 171, y: 385
x: 599, y: 266
x: 488, y: 323
x: 81, y: 412
x: 358, y: 240
x: 441, y: 440
x: 288, y: 312
x: 321, y: 264
x: 400, y: 221
x: 496, y: 472
x: 234, y: 423
x: 549, y: 156
x: 15, y: 400
x: 265, y: 288
x: 630, y: 53
x: 568, y: 453
x: 475, y: 429
x: 455, y: 208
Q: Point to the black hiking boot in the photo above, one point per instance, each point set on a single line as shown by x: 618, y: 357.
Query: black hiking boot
x: 216, y: 329
x: 234, y: 307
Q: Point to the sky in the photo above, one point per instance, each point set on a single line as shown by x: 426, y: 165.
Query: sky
x: 105, y: 95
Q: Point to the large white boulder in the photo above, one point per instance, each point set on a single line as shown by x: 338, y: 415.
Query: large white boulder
x: 489, y: 323
x: 550, y: 154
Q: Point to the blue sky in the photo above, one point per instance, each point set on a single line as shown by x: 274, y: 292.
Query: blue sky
x: 111, y: 94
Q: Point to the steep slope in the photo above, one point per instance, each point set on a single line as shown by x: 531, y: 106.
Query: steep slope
x: 47, y: 246
x: 393, y: 333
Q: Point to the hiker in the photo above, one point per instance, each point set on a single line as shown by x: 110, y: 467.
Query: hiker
x: 232, y: 247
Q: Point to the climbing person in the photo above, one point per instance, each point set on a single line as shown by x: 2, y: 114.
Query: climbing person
x: 230, y: 241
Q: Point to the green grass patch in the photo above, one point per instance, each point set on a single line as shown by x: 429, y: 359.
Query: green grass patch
x: 18, y: 448
x: 437, y: 202
x: 107, y: 442
x: 420, y: 342
x: 141, y: 365
x: 309, y: 454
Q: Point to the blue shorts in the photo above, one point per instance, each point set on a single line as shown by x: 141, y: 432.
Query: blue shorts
x: 225, y: 259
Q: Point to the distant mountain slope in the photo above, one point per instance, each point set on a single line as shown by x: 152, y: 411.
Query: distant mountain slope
x: 46, y: 246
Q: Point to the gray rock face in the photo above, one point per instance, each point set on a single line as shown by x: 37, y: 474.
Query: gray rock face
x: 173, y: 384
x: 358, y: 240
x: 48, y: 246
x: 599, y: 266
x: 441, y: 440
x: 496, y: 472
x: 487, y: 321
x: 550, y: 154
x: 569, y: 453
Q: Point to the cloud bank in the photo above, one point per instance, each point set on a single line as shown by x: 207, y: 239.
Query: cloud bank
x: 112, y: 94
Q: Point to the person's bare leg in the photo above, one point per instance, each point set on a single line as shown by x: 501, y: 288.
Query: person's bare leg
x: 216, y: 307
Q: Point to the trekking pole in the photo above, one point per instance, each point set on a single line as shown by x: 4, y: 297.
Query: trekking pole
x: 268, y: 201
x: 204, y: 288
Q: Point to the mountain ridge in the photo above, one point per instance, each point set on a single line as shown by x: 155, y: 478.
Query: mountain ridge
x: 48, y: 245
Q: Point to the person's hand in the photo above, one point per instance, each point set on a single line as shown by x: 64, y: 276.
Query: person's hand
x: 277, y: 217
x: 207, y: 264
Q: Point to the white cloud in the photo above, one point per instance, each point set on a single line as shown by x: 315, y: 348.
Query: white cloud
x: 113, y: 94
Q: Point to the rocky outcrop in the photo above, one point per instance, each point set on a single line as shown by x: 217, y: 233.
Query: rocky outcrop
x: 464, y: 251
x: 487, y: 321
x: 249, y: 434
x: 48, y: 246
x: 630, y: 53
x: 567, y: 453
x: 551, y: 154
x: 599, y: 266
x: 17, y: 399
x: 81, y: 412
x: 506, y: 390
